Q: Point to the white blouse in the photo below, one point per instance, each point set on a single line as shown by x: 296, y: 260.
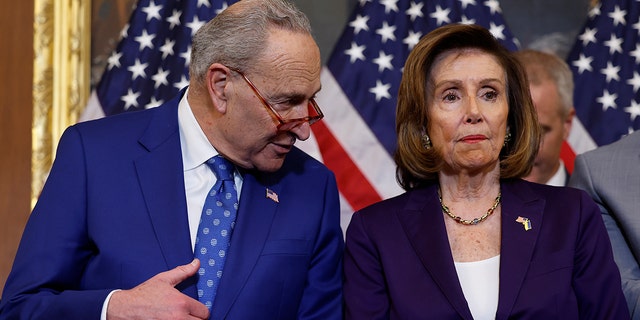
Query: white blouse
x: 479, y: 281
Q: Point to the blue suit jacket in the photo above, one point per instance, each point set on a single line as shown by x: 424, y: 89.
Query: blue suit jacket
x: 113, y: 214
x: 398, y: 262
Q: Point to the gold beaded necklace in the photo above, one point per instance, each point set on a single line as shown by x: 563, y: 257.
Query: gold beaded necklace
x: 475, y: 220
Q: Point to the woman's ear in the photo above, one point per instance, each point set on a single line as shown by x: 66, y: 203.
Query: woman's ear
x: 217, y: 79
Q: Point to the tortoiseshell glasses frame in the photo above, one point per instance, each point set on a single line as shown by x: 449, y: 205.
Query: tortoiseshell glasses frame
x: 315, y: 114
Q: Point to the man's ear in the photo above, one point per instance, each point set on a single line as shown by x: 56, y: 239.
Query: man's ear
x: 217, y: 80
x: 568, y: 122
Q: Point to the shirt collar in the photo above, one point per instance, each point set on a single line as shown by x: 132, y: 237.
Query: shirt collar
x: 559, y: 179
x: 196, y: 148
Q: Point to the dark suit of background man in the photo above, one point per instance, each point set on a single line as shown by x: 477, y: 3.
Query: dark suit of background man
x: 113, y: 232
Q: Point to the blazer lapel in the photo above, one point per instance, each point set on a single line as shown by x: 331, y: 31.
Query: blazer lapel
x: 518, y: 201
x: 255, y: 216
x: 160, y: 173
x: 423, y: 222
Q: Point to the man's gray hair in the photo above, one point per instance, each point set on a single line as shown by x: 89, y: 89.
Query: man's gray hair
x: 237, y: 36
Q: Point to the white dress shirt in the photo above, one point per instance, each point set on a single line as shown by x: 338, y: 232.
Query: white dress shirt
x: 559, y: 179
x: 198, y: 177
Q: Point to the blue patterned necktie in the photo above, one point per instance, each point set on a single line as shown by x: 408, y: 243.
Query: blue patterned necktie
x: 216, y: 224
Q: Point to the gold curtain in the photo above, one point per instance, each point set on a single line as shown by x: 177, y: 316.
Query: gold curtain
x: 61, y: 78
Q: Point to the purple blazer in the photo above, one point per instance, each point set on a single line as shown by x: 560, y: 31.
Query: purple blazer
x: 398, y: 263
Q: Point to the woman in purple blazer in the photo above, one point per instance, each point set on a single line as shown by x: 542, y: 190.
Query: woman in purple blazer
x: 469, y: 239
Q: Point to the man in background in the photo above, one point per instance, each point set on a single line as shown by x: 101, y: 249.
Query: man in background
x: 551, y: 85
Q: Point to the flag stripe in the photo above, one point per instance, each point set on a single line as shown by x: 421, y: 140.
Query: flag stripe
x: 579, y: 140
x: 568, y: 156
x: 359, y: 142
x: 355, y: 187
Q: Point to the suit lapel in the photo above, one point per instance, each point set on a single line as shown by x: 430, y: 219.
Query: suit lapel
x: 518, y: 200
x: 160, y: 173
x: 423, y: 222
x: 428, y: 237
x: 255, y: 216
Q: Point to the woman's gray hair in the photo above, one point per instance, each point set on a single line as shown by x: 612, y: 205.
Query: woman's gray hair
x: 236, y: 37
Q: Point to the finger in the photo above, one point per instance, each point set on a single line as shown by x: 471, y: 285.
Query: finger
x: 198, y: 318
x: 200, y: 311
x: 181, y: 273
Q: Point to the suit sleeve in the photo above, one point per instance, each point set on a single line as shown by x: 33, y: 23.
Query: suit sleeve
x: 322, y: 296
x: 365, y: 292
x: 626, y: 262
x: 596, y: 279
x: 47, y: 272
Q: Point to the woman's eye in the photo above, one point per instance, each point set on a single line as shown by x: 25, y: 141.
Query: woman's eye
x: 450, y: 97
x: 491, y: 95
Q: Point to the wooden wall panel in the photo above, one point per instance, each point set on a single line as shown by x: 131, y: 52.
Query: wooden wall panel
x: 16, y: 69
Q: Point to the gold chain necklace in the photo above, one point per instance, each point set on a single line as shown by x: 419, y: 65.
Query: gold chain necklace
x: 475, y: 220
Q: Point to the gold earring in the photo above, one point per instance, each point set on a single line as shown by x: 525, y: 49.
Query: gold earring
x: 507, y: 137
x: 426, y: 141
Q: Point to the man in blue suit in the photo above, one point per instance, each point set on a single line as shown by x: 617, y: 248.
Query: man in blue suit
x: 114, y: 230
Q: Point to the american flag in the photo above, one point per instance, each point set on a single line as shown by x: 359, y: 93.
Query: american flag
x: 357, y: 139
x: 151, y: 62
x: 272, y: 195
x: 605, y: 61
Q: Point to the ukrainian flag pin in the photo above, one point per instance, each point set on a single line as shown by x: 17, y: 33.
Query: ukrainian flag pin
x: 525, y: 222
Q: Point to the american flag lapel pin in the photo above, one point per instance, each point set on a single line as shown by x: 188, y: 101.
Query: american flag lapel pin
x: 525, y: 222
x: 272, y: 195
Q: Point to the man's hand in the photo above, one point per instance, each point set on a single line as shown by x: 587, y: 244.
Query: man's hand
x: 157, y: 298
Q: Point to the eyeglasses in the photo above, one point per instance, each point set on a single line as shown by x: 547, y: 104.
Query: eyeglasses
x: 315, y: 114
